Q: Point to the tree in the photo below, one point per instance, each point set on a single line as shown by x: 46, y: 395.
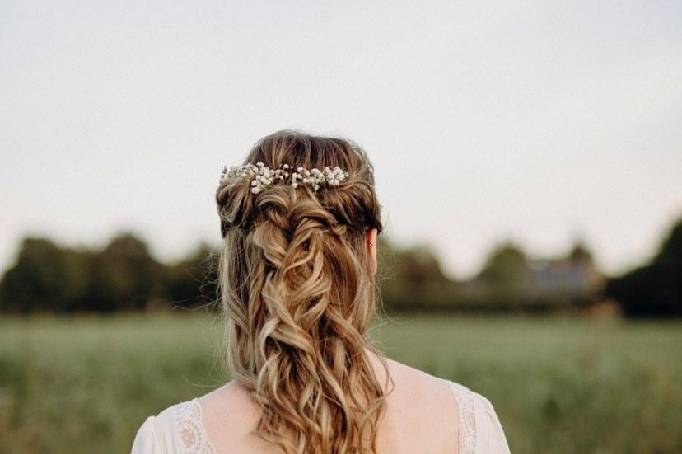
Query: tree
x: 506, y: 267
x: 411, y: 278
x: 193, y: 281
x: 45, y: 277
x: 124, y: 275
x: 654, y: 289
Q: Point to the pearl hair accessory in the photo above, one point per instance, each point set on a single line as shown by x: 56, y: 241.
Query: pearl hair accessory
x: 262, y: 176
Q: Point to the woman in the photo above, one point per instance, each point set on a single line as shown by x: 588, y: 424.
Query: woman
x: 300, y: 219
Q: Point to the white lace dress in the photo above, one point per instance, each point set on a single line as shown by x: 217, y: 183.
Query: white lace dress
x: 179, y: 428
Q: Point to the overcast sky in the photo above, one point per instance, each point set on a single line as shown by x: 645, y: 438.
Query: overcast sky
x: 532, y: 120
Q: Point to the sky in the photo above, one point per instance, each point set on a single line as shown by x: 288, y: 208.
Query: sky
x: 535, y: 121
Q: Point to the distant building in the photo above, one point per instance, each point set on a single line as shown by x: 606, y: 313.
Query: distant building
x: 574, y: 276
x: 511, y: 280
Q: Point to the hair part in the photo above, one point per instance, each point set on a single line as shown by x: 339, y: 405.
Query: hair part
x: 299, y: 297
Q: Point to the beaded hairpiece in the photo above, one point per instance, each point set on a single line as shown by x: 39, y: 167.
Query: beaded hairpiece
x: 262, y: 176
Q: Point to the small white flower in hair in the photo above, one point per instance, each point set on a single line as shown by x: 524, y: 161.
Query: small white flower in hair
x: 263, y: 176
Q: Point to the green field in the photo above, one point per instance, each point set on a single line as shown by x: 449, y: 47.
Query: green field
x: 559, y: 385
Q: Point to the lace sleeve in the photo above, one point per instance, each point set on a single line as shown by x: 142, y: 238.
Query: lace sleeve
x: 147, y: 440
x: 178, y: 429
x: 480, y: 431
x: 490, y: 436
x: 190, y: 428
x: 467, y: 418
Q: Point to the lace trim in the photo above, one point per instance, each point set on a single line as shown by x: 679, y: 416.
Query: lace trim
x: 190, y: 428
x: 467, y: 419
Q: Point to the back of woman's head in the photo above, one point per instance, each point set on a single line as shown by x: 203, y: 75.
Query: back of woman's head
x: 299, y: 294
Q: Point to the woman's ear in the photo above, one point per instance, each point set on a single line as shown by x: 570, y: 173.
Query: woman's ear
x: 371, y: 243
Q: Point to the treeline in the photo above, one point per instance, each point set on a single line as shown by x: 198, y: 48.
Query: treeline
x: 655, y: 288
x: 125, y: 276
x: 122, y: 276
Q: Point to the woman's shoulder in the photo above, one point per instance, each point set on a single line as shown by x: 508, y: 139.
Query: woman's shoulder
x: 418, y: 377
x: 175, y: 429
x: 423, y: 382
x: 226, y: 412
x: 478, y: 426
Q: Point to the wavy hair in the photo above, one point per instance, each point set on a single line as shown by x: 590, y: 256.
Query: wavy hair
x: 299, y: 297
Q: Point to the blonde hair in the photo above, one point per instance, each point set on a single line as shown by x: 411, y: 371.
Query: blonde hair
x: 299, y: 297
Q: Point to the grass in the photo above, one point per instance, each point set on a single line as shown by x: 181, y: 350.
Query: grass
x: 559, y: 385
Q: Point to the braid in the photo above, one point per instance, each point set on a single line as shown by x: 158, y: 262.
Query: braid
x: 299, y: 300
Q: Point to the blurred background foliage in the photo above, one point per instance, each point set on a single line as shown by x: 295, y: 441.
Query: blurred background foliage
x: 565, y: 385
x: 125, y: 276
x: 582, y: 377
x: 568, y: 365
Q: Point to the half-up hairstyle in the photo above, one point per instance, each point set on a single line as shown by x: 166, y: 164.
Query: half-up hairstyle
x: 299, y: 297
